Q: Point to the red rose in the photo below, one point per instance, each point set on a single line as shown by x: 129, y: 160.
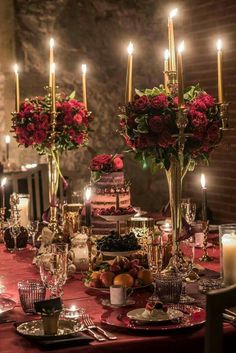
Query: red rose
x: 79, y: 139
x: 30, y: 127
x: 197, y: 118
x: 71, y: 132
x: 100, y: 160
x: 199, y: 104
x: 156, y: 124
x: 78, y: 119
x: 165, y: 139
x: 118, y: 163
x: 208, y: 100
x: 43, y: 125
x: 68, y: 120
x: 39, y: 136
x: 159, y: 102
x: 213, y: 132
x: 141, y: 103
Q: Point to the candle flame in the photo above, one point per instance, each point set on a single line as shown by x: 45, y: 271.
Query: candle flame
x: 7, y: 138
x: 181, y: 47
x: 173, y: 13
x: 130, y: 48
x: 73, y: 307
x: 203, y: 181
x: 51, y: 43
x: 53, y: 68
x: 84, y: 68
x: 219, y: 44
x: 3, y: 182
x: 88, y: 193
x: 166, y: 54
x: 16, y: 68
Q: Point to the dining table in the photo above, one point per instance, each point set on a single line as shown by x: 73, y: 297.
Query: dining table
x: 18, y: 265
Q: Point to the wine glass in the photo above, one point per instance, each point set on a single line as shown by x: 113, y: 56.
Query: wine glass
x: 188, y: 210
x: 155, y: 258
x: 33, y: 228
x: 15, y: 232
x: 53, y: 268
x: 183, y: 262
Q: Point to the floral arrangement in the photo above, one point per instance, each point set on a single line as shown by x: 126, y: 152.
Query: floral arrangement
x: 32, y: 124
x: 148, y: 125
x: 105, y: 163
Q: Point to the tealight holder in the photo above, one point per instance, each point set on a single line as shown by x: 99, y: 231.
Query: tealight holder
x: 73, y: 312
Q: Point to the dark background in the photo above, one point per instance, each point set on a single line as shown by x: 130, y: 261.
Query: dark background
x: 98, y: 32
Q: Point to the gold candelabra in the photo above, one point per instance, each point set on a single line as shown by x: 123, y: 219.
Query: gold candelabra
x: 2, y: 220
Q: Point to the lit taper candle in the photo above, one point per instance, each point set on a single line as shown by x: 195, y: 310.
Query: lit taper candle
x: 17, y: 89
x: 53, y: 76
x: 129, y: 74
x: 171, y: 39
x: 180, y: 74
x: 204, y: 197
x: 51, y: 60
x: 166, y: 67
x: 220, y: 71
x: 87, y: 201
x: 84, y: 84
x: 7, y: 141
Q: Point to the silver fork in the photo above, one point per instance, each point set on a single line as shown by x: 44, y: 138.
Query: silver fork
x: 86, y: 327
x: 91, y: 325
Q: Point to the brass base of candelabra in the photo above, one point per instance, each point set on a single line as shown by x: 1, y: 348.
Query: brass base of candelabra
x: 88, y: 231
x: 2, y: 219
x: 205, y: 257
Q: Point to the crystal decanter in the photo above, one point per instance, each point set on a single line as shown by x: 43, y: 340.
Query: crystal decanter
x: 15, y: 235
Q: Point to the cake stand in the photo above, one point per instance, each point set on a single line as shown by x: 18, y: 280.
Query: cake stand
x: 117, y: 219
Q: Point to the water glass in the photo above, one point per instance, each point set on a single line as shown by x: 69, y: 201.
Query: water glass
x: 169, y: 287
x: 30, y: 291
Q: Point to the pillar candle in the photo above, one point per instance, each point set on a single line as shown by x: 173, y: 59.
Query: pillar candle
x: 84, y: 85
x: 229, y: 258
x: 166, y: 68
x: 204, y: 197
x: 51, y: 60
x: 220, y: 71
x: 129, y: 74
x: 7, y: 140
x: 23, y: 207
x: 87, y: 199
x: 17, y: 89
x: 171, y: 39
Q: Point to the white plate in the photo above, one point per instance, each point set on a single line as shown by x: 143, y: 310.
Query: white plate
x: 6, y: 304
x: 106, y: 302
x: 157, y: 317
x: 119, y: 218
x: 119, y: 253
x: 107, y: 290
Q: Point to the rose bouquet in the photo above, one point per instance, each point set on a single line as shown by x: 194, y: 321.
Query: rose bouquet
x: 148, y: 125
x: 105, y: 163
x: 32, y: 124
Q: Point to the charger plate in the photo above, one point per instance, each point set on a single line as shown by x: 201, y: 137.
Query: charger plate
x: 34, y: 329
x: 193, y: 317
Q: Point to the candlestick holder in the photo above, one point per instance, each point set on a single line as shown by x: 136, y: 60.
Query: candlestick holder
x: 224, y: 114
x: 88, y: 231
x: 172, y: 82
x: 2, y: 219
x: 205, y: 257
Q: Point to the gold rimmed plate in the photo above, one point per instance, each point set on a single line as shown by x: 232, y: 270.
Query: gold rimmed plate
x: 34, y: 330
x: 157, y: 317
x: 6, y: 304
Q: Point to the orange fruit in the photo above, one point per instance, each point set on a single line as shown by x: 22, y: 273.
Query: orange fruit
x: 95, y: 275
x: 145, y: 276
x: 124, y: 279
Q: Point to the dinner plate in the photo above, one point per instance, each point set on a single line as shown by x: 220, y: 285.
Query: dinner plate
x: 6, y: 304
x: 114, y: 218
x: 193, y: 317
x: 158, y: 316
x: 119, y: 253
x: 106, y: 302
x: 34, y: 329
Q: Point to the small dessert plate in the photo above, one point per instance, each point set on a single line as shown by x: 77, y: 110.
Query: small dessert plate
x: 6, y: 304
x: 106, y: 302
x: 158, y: 316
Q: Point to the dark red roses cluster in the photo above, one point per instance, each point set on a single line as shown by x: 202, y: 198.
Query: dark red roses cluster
x: 32, y: 125
x: 148, y: 125
x: 107, y: 163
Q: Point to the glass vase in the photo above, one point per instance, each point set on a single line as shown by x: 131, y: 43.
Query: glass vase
x: 53, y: 184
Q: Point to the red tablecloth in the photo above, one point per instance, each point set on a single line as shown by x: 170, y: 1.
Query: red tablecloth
x: 15, y: 267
